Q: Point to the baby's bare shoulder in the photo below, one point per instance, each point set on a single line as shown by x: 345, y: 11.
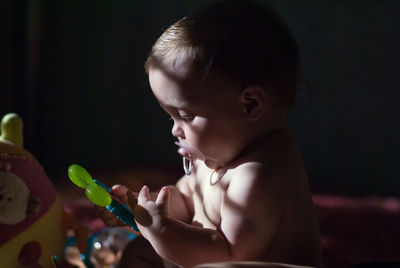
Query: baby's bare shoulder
x: 254, y: 182
x: 267, y: 205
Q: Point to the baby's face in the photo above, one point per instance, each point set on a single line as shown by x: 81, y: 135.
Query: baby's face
x: 207, y: 114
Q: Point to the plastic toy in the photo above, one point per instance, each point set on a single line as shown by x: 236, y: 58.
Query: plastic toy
x: 105, y: 248
x: 101, y: 195
x: 189, y: 155
x: 30, y: 207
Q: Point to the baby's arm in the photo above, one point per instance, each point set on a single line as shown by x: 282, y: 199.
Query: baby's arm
x: 249, y: 220
x: 252, y: 212
x: 180, y: 201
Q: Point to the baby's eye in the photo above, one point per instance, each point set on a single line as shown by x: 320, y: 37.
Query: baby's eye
x: 186, y: 118
x: 9, y: 199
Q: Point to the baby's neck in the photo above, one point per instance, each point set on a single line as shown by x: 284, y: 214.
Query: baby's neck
x: 277, y: 121
x: 253, y: 149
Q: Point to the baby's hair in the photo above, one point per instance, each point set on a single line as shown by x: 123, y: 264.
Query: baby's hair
x: 239, y: 38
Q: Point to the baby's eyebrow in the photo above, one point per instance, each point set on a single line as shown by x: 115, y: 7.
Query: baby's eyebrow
x: 168, y: 109
x: 165, y: 107
x: 179, y: 106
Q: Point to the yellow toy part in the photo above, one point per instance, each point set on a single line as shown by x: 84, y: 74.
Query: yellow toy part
x: 11, y: 129
x: 11, y: 138
x: 31, y: 210
x: 46, y: 232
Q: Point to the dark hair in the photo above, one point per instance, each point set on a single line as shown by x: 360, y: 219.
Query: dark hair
x: 246, y: 41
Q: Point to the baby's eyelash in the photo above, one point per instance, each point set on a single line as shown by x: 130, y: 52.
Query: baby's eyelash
x: 186, y: 118
x: 183, y: 116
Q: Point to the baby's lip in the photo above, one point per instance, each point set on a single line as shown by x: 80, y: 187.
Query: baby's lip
x: 190, y: 153
x: 184, y: 153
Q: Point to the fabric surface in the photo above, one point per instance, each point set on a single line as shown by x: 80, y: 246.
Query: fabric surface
x: 354, y: 230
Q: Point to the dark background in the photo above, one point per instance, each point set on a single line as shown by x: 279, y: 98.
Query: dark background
x: 73, y: 70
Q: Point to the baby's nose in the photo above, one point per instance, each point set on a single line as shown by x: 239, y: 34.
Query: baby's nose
x: 177, y: 131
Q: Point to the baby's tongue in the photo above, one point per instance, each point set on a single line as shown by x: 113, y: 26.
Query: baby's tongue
x: 190, y: 153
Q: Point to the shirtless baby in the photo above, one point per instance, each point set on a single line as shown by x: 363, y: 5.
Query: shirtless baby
x: 226, y: 75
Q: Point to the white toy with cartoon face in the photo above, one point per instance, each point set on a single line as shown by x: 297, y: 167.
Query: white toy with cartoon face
x: 14, y: 198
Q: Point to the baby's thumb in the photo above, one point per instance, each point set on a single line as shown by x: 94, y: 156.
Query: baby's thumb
x: 144, y: 195
x: 163, y: 200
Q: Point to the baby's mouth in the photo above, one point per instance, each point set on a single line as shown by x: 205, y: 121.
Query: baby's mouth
x: 188, y: 152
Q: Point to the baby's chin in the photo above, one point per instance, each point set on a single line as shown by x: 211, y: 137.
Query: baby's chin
x: 213, y: 164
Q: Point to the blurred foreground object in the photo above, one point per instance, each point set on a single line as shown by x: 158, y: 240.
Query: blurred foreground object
x: 30, y: 208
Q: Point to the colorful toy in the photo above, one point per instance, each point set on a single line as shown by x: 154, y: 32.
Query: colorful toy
x: 30, y: 208
x: 105, y: 248
x: 101, y: 195
x: 33, y: 222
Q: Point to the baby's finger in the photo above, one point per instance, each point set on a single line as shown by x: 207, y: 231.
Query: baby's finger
x: 120, y: 191
x: 144, y: 195
x: 162, y: 200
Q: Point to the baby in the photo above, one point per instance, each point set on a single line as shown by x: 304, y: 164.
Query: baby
x: 226, y: 75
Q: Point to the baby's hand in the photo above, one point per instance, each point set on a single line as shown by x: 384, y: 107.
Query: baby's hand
x: 149, y: 214
x: 108, y: 218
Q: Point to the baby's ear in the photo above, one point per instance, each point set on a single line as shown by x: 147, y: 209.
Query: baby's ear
x: 253, y: 100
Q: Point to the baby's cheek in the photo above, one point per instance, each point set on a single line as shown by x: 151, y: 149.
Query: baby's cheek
x: 198, y: 142
x: 198, y: 133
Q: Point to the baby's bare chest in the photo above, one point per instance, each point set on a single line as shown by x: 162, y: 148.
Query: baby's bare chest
x: 207, y: 201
